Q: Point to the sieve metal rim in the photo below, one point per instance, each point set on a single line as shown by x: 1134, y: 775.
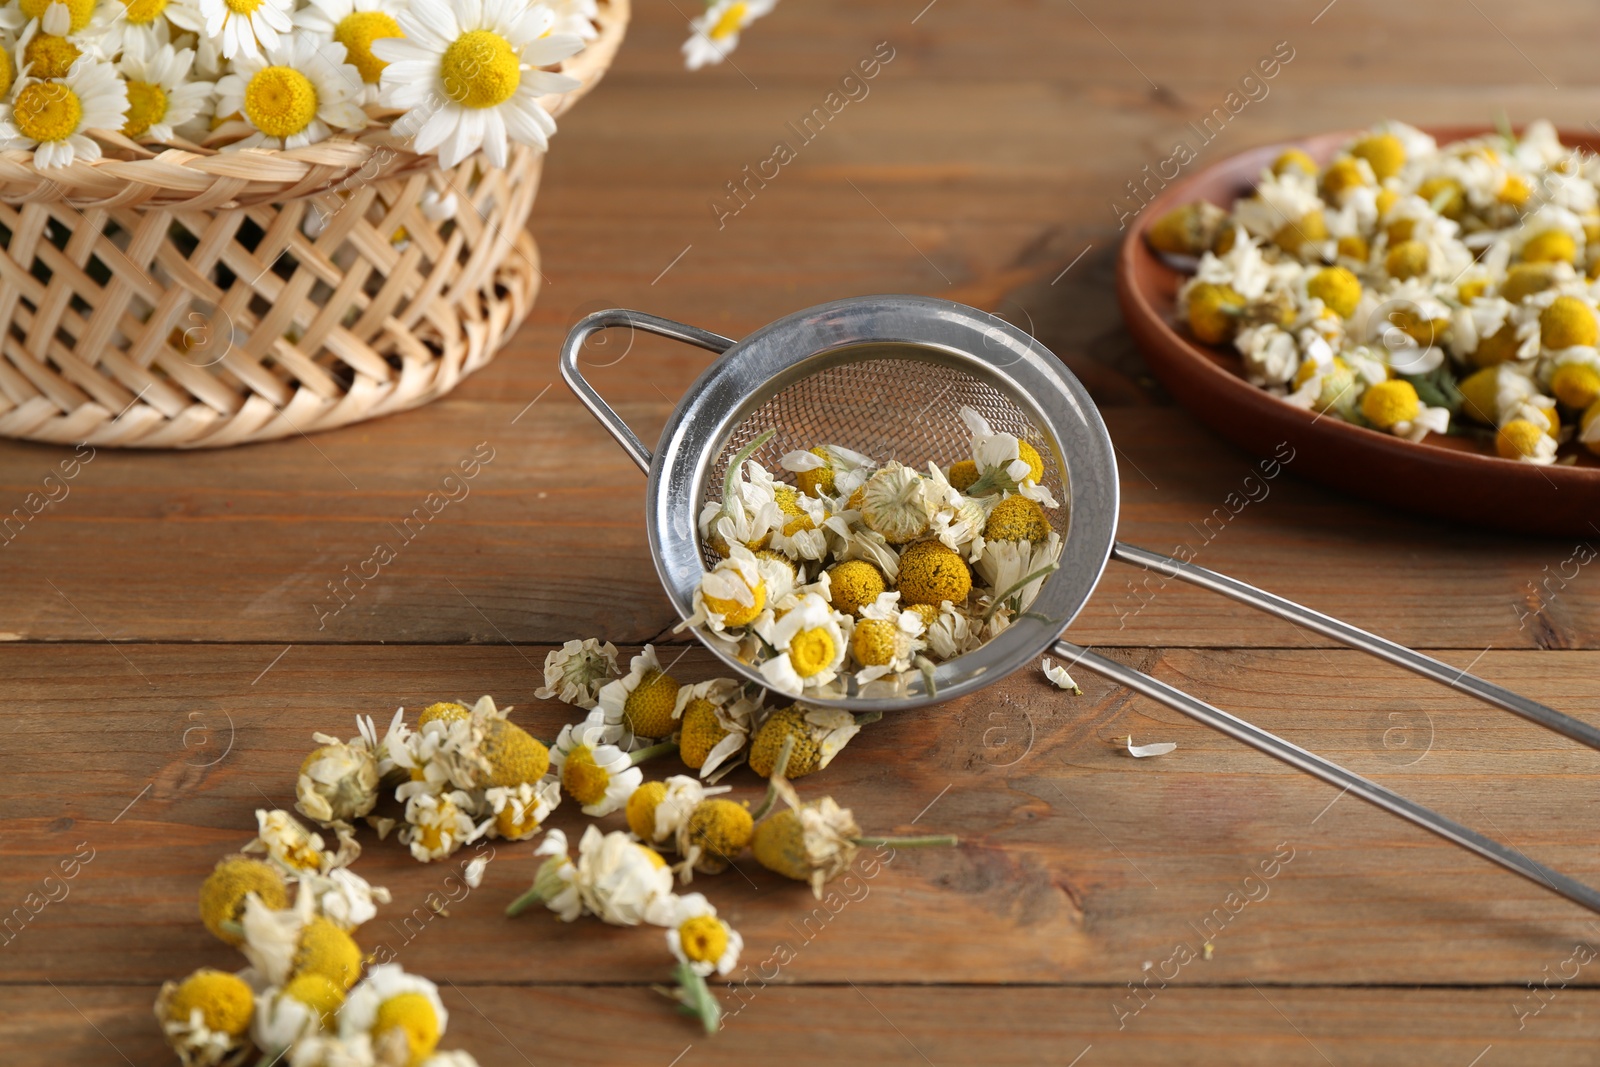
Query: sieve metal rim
x: 743, y: 378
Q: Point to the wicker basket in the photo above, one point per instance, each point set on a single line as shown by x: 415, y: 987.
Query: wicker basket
x: 179, y: 299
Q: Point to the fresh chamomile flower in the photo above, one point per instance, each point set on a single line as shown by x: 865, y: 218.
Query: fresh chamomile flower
x: 1013, y: 568
x: 657, y: 809
x: 467, y: 74
x: 437, y: 825
x: 148, y: 24
x: 575, y: 672
x: 206, y: 1017
x: 399, y: 1013
x: 716, y: 32
x: 714, y: 833
x: 699, y: 939
x: 304, y: 1007
x: 886, y: 638
x: 714, y: 725
x: 819, y: 734
x: 161, y: 94
x: 641, y: 702
x: 54, y: 118
x: 296, y: 92
x: 591, y: 768
x: 520, y: 810
x: 246, y: 27
x: 894, y: 503
x: 354, y: 24
x: 338, y: 782
x: 828, y: 470
x: 231, y: 885
x: 49, y: 56
x: 808, y: 646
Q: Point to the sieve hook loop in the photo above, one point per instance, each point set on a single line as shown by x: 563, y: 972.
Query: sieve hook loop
x: 633, y: 320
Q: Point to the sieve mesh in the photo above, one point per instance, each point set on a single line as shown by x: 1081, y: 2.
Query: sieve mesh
x: 886, y: 407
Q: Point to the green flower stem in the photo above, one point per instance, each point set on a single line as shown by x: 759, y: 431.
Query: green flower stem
x: 525, y: 901
x: 930, y: 841
x: 231, y: 926
x: 731, y: 478
x: 697, y: 999
x: 1018, y: 587
x: 664, y: 748
x: 778, y: 770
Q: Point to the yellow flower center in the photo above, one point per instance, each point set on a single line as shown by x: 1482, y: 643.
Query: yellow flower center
x: 280, y: 101
x: 356, y: 32
x: 1517, y: 438
x: 783, y: 723
x: 327, y: 950
x: 641, y: 810
x: 735, y: 613
x: 48, y: 56
x: 1576, y: 385
x: 1566, y: 322
x: 8, y: 72
x: 648, y: 709
x: 704, y: 939
x: 224, y: 1000
x: 1551, y: 246
x: 514, y: 755
x: 1515, y: 191
x: 319, y: 993
x: 699, y: 733
x: 653, y: 856
x: 854, y: 584
x: 930, y: 573
x: 143, y: 12
x: 147, y: 105
x: 962, y: 474
x: 1016, y: 518
x: 515, y: 821
x: 1390, y: 402
x: 81, y: 11
x: 223, y: 893
x: 243, y: 7
x: 812, y: 651
x: 47, y: 111
x: 874, y: 642
x: 479, y: 69
x: 731, y: 22
x: 584, y: 779
x: 721, y: 829
x: 444, y: 711
x: 412, y: 1015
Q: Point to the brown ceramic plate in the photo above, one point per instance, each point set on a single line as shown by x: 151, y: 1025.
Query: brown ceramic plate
x: 1448, y: 477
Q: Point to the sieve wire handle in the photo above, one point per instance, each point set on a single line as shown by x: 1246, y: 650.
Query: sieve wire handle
x: 1355, y: 637
x: 633, y: 320
x: 1332, y: 773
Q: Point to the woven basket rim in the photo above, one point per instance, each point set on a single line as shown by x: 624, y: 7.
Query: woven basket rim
x: 227, y: 178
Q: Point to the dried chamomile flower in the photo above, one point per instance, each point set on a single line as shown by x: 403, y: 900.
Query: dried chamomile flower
x: 338, y: 782
x: 1016, y: 570
x: 399, y: 1014
x: 1059, y: 677
x: 520, y: 810
x: 1005, y: 463
x: 818, y: 735
x: 615, y: 879
x: 799, y: 534
x: 438, y: 824
x: 807, y: 646
x: 859, y: 542
x: 657, y: 809
x: 704, y: 943
x: 233, y: 881
x: 304, y: 1007
x: 296, y: 849
x: 931, y: 573
x: 731, y: 594
x: 345, y: 898
x: 206, y: 1018
x: 949, y: 632
x: 813, y: 842
x: 958, y: 520
x: 640, y: 703
x: 714, y: 724
x: 894, y: 503
x: 283, y: 943
x: 853, y: 584
x: 886, y: 638
x: 715, y: 832
x: 828, y: 470
x: 575, y: 672
x: 593, y: 770
x: 1190, y: 230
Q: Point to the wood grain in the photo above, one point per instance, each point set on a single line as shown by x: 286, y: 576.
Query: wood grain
x: 166, y: 613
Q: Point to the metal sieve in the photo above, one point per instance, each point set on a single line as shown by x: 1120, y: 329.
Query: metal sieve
x: 887, y: 376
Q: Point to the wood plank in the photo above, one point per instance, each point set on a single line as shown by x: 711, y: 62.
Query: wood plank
x: 547, y: 543
x: 1265, y: 1026
x: 1078, y: 862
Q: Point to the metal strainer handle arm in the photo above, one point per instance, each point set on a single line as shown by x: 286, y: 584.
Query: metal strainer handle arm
x: 633, y: 320
x: 1330, y: 772
x: 1355, y: 637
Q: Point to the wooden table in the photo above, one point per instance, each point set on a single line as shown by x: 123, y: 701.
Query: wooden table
x: 171, y: 647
